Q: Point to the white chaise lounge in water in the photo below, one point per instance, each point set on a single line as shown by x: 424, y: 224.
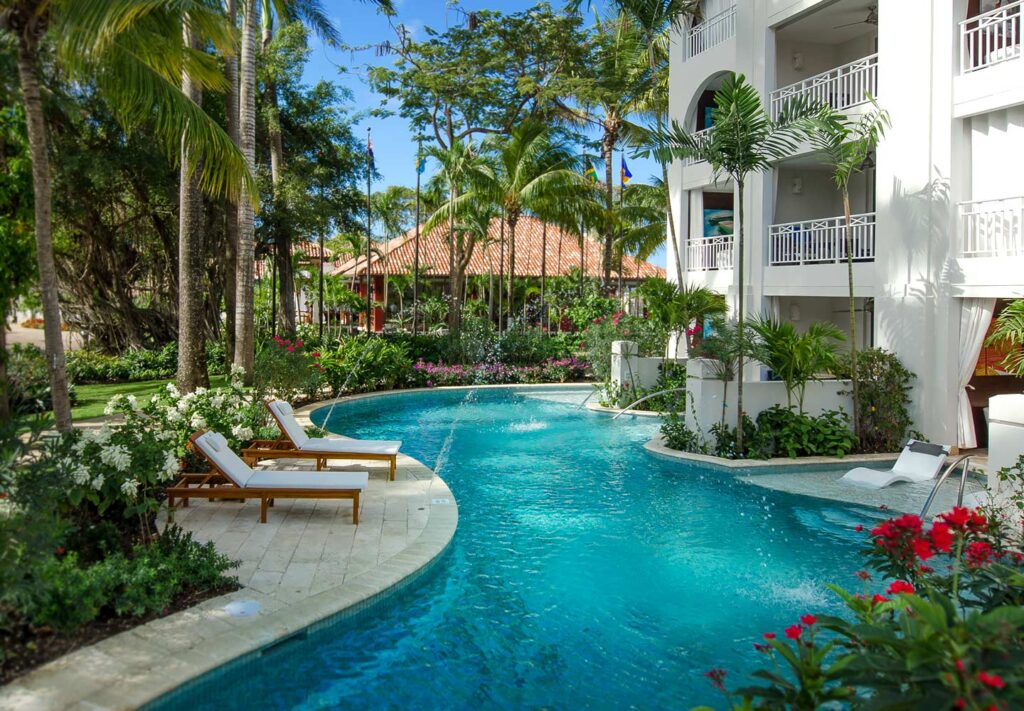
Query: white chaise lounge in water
x: 294, y: 443
x: 919, y: 461
x: 231, y: 478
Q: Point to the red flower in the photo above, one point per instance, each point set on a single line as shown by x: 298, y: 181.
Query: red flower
x: 794, y: 631
x: 993, y: 680
x: 859, y: 527
x: 957, y: 518
x: 315, y: 354
x: 879, y: 599
x: 717, y: 677
x: 979, y: 553
x: 960, y: 665
x: 960, y: 704
x: 290, y: 349
x: 60, y: 550
x: 762, y: 647
x: 769, y: 635
x: 941, y: 537
x: 900, y: 587
x: 922, y: 548
x: 298, y: 344
x: 863, y: 575
x: 1018, y: 557
x: 808, y: 620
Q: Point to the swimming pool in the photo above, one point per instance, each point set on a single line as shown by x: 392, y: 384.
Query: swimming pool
x: 585, y: 572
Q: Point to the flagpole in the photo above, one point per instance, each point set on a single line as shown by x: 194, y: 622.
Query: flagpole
x: 369, y: 233
x: 320, y: 309
x: 416, y: 258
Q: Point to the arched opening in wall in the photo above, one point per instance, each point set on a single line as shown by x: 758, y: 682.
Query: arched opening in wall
x: 698, y: 113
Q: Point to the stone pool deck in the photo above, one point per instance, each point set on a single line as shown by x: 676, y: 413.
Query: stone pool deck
x: 306, y: 564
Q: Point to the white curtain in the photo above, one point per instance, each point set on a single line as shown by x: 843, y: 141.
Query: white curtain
x: 975, y: 317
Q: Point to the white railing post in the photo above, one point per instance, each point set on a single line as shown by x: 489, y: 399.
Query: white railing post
x: 991, y: 38
x: 701, y: 137
x: 841, y: 88
x: 992, y: 228
x: 821, y: 241
x: 710, y: 33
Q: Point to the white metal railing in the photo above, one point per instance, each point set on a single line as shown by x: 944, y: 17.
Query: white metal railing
x: 710, y: 33
x: 992, y: 228
x: 705, y: 254
x: 839, y: 88
x: 821, y: 241
x: 991, y: 38
x: 701, y: 137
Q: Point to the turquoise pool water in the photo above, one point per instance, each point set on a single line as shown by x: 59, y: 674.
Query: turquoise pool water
x: 585, y: 572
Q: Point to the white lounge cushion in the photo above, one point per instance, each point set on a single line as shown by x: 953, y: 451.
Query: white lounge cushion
x: 216, y: 448
x: 268, y: 479
x: 286, y: 418
x: 919, y: 461
x: 355, y: 446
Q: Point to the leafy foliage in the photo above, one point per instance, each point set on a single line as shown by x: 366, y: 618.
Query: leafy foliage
x: 1009, y: 331
x: 796, y: 358
x: 884, y: 400
x: 89, y: 366
x: 28, y: 380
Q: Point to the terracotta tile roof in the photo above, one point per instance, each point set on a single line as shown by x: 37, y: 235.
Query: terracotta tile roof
x: 563, y: 254
x: 310, y: 251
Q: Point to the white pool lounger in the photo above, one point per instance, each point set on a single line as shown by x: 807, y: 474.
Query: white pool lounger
x: 919, y: 461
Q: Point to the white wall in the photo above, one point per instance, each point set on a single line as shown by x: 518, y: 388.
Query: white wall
x: 997, y: 154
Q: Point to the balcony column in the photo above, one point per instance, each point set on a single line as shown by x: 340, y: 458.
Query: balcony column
x: 916, y: 315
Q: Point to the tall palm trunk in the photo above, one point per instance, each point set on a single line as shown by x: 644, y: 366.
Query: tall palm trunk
x: 673, y: 239
x: 513, y: 219
x: 740, y: 315
x: 191, y: 256
x: 244, y: 326
x: 853, y: 313
x: 282, y: 238
x: 608, y: 150
x: 28, y: 39
x: 5, y: 402
x: 455, y: 310
x: 543, y: 267
x: 501, y: 272
x: 231, y: 206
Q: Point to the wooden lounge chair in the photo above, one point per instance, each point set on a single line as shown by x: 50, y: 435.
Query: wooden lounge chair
x: 231, y: 478
x: 294, y: 443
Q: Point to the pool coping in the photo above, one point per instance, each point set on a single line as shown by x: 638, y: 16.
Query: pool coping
x: 135, y: 667
x: 656, y: 446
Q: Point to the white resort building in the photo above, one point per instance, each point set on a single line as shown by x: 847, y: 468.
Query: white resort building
x: 938, y: 212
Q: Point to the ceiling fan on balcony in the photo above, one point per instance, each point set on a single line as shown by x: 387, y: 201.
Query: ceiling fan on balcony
x: 871, y: 19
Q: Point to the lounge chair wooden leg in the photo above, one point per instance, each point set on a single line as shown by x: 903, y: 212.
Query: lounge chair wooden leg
x: 355, y: 509
x: 320, y: 464
x: 391, y: 473
x: 263, y: 509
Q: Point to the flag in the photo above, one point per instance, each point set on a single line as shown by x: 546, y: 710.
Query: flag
x: 624, y: 173
x: 421, y: 165
x: 369, y: 153
x: 591, y: 172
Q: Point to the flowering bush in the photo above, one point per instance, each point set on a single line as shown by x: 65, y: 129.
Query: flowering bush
x: 946, y: 632
x: 287, y: 368
x: 559, y: 370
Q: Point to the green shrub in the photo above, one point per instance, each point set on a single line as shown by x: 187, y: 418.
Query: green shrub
x: 784, y: 432
x: 365, y: 364
x: 28, y: 380
x: 287, y: 368
x: 87, y: 366
x: 69, y: 595
x: 883, y: 400
x: 680, y: 437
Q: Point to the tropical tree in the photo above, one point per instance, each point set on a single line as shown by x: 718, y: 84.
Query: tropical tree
x: 1008, y: 330
x: 677, y: 306
x: 796, y: 358
x: 394, y: 209
x: 135, y: 57
x: 721, y: 346
x: 534, y: 166
x: 656, y: 20
x: 744, y: 139
x: 641, y: 219
x: 613, y: 88
x: 845, y: 145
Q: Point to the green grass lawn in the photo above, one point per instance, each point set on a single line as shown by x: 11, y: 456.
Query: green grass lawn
x: 93, y: 398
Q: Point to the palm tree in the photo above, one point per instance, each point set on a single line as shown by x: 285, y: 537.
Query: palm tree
x: 721, y: 346
x: 796, y: 358
x: 394, y: 208
x: 641, y: 219
x: 1008, y: 330
x: 676, y: 306
x: 534, y: 166
x: 744, y: 139
x: 615, y: 88
x: 134, y: 56
x: 845, y: 146
x: 656, y: 19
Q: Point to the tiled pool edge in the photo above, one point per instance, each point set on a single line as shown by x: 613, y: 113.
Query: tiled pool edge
x: 136, y: 667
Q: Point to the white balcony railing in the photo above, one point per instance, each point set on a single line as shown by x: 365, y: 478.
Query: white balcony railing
x: 710, y: 33
x: 992, y: 228
x: 705, y: 254
x: 701, y: 137
x: 991, y: 38
x: 821, y: 241
x: 840, y: 88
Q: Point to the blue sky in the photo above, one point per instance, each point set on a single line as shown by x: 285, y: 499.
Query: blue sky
x: 360, y: 25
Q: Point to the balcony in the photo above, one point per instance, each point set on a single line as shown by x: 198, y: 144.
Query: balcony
x: 710, y: 33
x: 708, y: 254
x: 821, y: 241
x: 992, y: 228
x: 991, y: 38
x: 841, y: 88
x: 701, y: 137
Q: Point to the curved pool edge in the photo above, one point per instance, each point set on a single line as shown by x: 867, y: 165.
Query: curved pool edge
x: 139, y: 666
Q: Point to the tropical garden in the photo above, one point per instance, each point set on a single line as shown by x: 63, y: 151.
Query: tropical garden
x: 176, y: 192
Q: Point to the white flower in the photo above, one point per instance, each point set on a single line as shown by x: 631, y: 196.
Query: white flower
x: 200, y: 391
x: 170, y: 466
x: 80, y: 475
x: 130, y: 488
x: 97, y: 483
x: 117, y: 456
x: 217, y: 401
x: 133, y: 401
x: 80, y: 445
x: 241, y: 432
x: 198, y: 421
x: 172, y: 390
x: 101, y: 436
x: 113, y: 405
x: 173, y: 416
